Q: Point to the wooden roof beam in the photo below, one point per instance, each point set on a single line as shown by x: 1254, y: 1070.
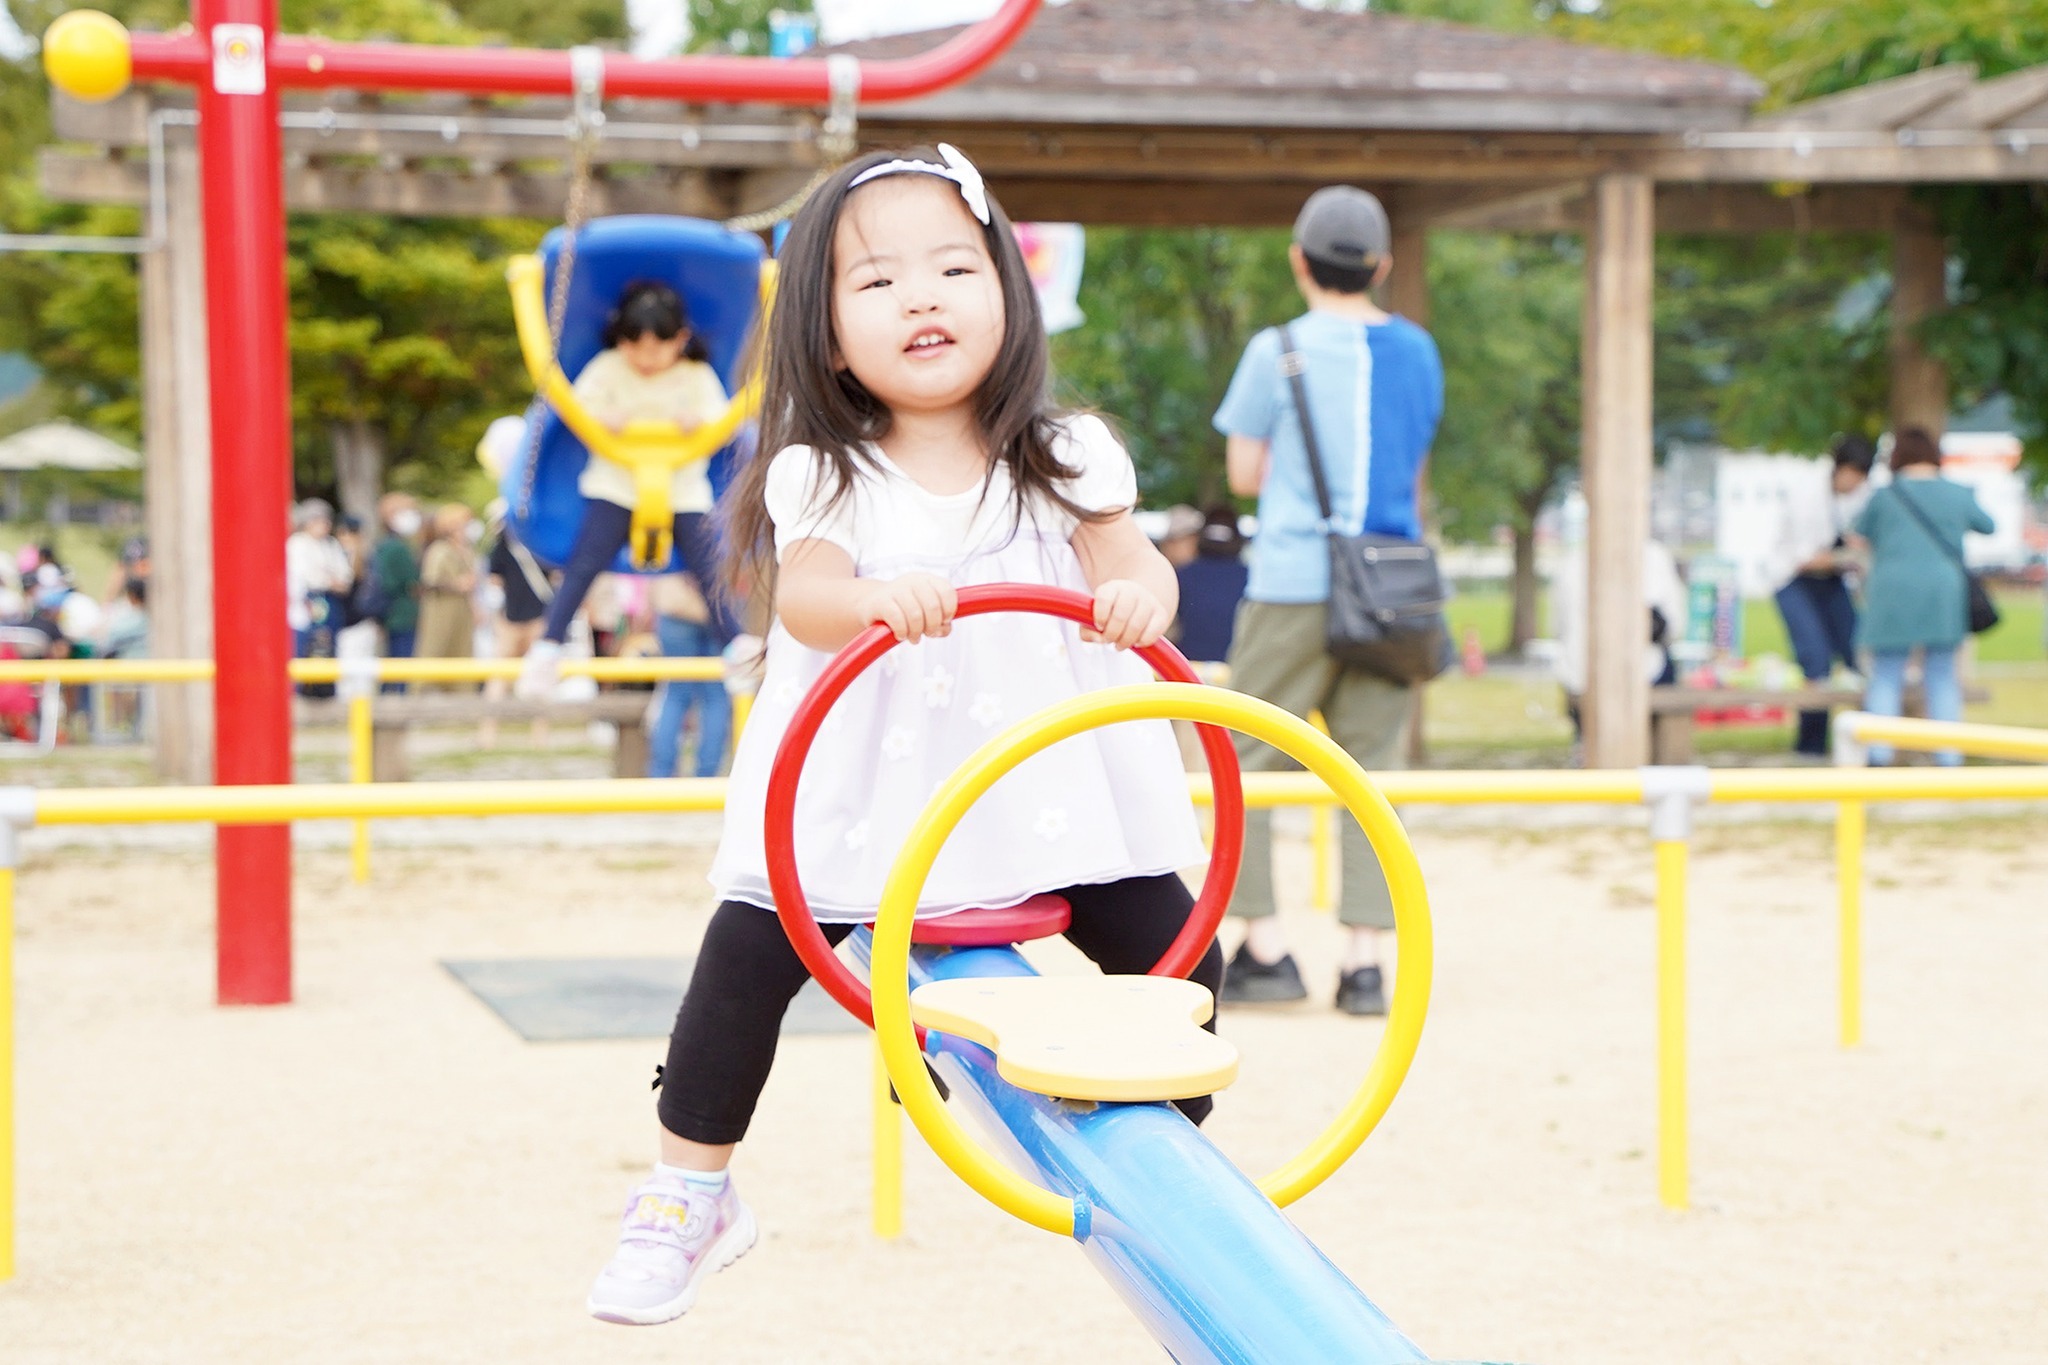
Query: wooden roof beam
x: 660, y: 135
x: 2016, y: 98
x: 1895, y: 103
x: 1907, y: 157
x: 1736, y: 210
x: 411, y: 191
x: 1482, y: 206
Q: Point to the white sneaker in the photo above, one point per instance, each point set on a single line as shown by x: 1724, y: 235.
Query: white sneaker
x: 672, y: 1238
x: 539, y: 671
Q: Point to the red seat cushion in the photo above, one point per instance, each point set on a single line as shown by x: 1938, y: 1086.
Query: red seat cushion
x: 1039, y: 917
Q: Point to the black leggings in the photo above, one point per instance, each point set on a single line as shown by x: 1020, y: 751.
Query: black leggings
x: 598, y: 542
x: 746, y: 975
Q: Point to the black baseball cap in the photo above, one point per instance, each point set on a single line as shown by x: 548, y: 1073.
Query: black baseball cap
x: 1342, y: 225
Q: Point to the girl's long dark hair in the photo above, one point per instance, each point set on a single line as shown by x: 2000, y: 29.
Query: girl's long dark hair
x: 808, y: 400
x: 650, y: 306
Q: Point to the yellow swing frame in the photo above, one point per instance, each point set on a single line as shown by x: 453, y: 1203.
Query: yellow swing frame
x: 651, y: 452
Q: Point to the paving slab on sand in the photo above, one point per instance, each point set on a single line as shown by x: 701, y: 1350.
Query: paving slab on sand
x: 574, y: 999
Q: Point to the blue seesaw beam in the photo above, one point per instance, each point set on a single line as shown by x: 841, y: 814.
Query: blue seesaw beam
x: 1213, y: 1269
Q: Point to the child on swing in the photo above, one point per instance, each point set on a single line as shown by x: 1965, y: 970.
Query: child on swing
x: 653, y: 369
x: 909, y: 449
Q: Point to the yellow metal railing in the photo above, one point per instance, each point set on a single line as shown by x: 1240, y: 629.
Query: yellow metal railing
x: 379, y: 670
x: 1856, y: 730
x: 371, y: 673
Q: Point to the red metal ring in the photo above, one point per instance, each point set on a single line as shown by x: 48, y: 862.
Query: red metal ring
x: 871, y: 644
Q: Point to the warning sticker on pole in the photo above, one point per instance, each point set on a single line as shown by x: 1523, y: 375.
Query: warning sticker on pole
x: 238, y: 65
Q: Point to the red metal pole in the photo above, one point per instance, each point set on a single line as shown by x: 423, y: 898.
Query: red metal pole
x: 241, y: 175
x: 316, y: 63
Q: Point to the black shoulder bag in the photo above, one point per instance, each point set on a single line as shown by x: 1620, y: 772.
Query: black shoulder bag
x: 1386, y: 610
x: 1978, y: 608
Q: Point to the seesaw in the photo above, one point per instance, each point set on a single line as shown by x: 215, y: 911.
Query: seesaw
x: 1071, y: 1074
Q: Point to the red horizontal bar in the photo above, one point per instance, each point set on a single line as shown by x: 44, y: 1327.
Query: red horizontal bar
x: 317, y: 63
x: 179, y: 58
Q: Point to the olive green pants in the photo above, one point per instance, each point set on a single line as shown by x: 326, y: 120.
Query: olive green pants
x: 1277, y: 655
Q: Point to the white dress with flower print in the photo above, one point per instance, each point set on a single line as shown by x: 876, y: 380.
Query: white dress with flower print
x: 1107, y: 804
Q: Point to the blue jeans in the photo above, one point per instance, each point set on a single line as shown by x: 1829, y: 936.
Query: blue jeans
x: 681, y: 640
x: 1887, y: 694
x: 1820, y: 618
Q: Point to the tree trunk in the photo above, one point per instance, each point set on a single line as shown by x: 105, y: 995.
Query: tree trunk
x: 1522, y: 623
x: 358, y: 467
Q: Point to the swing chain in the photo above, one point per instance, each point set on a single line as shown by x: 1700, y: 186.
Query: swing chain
x: 836, y: 142
x: 586, y: 126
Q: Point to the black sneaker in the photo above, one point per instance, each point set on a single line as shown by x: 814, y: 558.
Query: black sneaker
x: 1248, y: 981
x: 1362, y: 991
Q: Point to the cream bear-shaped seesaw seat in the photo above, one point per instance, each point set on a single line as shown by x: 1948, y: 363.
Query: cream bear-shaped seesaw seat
x: 1123, y: 1038
x: 1128, y: 1038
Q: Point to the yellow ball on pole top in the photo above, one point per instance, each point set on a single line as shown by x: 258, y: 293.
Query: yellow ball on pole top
x: 85, y: 54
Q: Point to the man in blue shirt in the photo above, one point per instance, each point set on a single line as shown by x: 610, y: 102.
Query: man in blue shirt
x: 1375, y: 393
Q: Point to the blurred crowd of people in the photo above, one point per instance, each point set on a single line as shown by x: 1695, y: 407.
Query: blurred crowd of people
x: 452, y: 585
x: 44, y: 614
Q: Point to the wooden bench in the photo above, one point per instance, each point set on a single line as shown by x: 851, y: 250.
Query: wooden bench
x: 1673, y: 709
x: 393, y: 714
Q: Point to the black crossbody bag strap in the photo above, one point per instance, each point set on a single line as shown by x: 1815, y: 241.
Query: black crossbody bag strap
x: 1385, y: 605
x: 1294, y: 365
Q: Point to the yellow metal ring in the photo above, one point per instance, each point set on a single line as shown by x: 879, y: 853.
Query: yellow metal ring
x: 889, y: 978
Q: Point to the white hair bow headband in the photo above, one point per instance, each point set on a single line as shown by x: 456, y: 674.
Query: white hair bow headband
x: 957, y: 169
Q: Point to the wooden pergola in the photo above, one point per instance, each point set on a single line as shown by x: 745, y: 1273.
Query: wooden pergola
x: 1172, y: 113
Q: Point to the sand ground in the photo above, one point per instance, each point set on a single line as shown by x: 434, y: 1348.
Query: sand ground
x: 382, y: 1172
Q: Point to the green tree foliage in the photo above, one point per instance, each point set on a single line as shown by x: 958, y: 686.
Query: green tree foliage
x: 1168, y: 315
x: 1774, y: 342
x: 1505, y: 314
x: 403, y: 326
x: 737, y: 26
x: 549, y: 23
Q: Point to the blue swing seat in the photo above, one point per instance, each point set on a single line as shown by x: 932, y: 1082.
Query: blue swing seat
x: 718, y: 274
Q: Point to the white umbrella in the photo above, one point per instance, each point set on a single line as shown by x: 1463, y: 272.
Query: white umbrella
x: 60, y: 445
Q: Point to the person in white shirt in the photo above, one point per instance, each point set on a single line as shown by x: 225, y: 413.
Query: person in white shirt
x: 317, y: 578
x: 1814, y: 558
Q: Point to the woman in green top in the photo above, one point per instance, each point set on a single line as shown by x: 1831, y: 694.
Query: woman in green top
x: 1916, y: 597
x: 394, y: 578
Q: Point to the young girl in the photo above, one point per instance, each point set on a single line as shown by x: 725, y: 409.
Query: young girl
x: 653, y: 369
x: 909, y: 450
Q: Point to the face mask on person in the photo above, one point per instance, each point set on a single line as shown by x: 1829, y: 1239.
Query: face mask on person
x: 405, y: 522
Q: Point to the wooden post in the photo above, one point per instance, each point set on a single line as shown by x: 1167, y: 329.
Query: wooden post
x: 1408, y: 295
x: 1616, y: 354
x: 177, y: 474
x: 1408, y: 286
x: 1919, y: 289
